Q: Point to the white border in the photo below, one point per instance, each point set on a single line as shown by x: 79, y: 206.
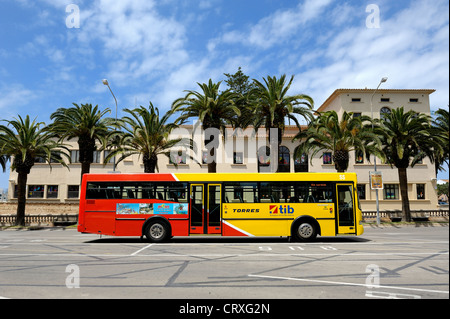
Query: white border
x: 238, y: 229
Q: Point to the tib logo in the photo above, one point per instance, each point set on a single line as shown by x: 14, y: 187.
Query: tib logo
x: 282, y: 209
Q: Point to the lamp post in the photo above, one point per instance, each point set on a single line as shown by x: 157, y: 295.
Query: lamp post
x: 374, y: 157
x: 105, y: 82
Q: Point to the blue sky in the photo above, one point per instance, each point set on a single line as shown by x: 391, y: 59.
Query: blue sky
x: 156, y: 49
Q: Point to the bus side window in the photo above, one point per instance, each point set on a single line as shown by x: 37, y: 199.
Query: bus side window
x: 241, y: 192
x: 130, y: 193
x: 147, y: 194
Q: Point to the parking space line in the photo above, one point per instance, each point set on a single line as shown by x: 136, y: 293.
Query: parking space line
x: 140, y: 250
x: 348, y: 284
x: 210, y: 255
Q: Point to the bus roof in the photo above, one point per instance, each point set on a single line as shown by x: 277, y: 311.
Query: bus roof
x: 221, y: 177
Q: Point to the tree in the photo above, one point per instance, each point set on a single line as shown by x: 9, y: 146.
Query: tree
x: 3, y: 160
x: 240, y: 85
x: 239, y: 82
x: 147, y: 135
x: 407, y: 138
x: 87, y: 124
x: 24, y: 141
x: 214, y: 110
x: 272, y: 106
x: 340, y: 136
x: 442, y: 189
x: 442, y: 125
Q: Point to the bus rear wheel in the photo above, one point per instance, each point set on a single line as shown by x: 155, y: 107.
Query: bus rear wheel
x: 157, y: 232
x: 305, y: 231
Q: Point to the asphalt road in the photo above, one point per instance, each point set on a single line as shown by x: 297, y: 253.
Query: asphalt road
x: 392, y: 262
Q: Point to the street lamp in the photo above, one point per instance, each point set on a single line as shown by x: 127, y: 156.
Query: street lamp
x: 105, y: 82
x: 384, y: 79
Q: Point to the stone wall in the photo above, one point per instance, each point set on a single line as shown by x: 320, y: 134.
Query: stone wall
x: 10, y: 208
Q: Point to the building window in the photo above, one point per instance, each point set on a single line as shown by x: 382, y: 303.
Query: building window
x: 111, y: 161
x: 284, y: 159
x: 40, y: 160
x: 420, y: 160
x: 384, y: 111
x: 75, y: 156
x: 52, y: 191
x: 359, y: 157
x: 361, y: 191
x: 413, y: 100
x: 36, y: 191
x: 357, y: 114
x: 263, y: 157
x: 327, y: 158
x: 73, y: 191
x: 420, y: 191
x: 96, y: 157
x: 238, y: 158
x: 384, y: 99
x: 180, y: 158
x: 301, y: 163
x: 391, y: 191
x: 205, y: 157
x: 356, y: 99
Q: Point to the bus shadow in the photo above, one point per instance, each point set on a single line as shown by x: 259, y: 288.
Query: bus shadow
x: 227, y: 240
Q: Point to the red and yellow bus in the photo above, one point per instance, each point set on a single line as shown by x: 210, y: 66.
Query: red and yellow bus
x: 160, y: 206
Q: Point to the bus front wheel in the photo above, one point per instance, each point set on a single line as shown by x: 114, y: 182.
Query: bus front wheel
x: 305, y: 231
x: 157, y: 232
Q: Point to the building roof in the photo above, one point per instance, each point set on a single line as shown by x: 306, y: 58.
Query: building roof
x: 337, y: 92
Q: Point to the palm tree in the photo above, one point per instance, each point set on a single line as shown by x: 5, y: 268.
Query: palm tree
x: 441, y: 123
x: 407, y: 138
x: 214, y: 110
x: 85, y: 123
x: 340, y: 136
x: 3, y: 160
x: 147, y: 135
x: 272, y: 106
x: 24, y: 141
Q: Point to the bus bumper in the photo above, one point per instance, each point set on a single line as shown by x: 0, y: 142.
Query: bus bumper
x: 359, y: 230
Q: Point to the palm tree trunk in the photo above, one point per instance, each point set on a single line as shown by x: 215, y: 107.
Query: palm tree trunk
x: 403, y: 178
x: 150, y: 163
x: 212, y: 143
x: 85, y: 168
x: 87, y: 148
x: 21, y: 198
x: 341, y: 160
x: 212, y: 165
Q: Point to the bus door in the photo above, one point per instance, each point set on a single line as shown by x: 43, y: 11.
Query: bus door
x: 205, y: 209
x: 345, y: 209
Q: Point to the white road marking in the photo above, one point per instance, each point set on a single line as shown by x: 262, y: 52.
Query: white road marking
x: 142, y: 249
x: 228, y: 255
x: 347, y: 283
x: 185, y: 244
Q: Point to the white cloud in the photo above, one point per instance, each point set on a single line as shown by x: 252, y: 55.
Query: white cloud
x: 138, y: 45
x: 276, y: 28
x: 133, y: 37
x: 411, y: 48
x: 14, y: 96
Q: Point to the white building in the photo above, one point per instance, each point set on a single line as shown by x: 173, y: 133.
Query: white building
x: 239, y: 154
